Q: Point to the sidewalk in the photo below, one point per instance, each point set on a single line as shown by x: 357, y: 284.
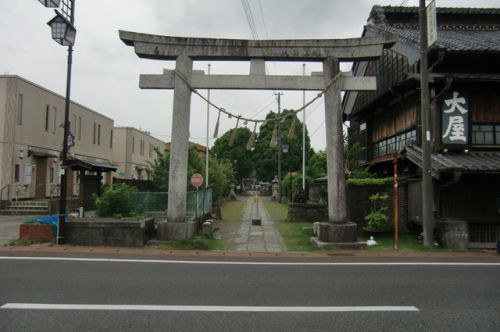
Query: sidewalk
x: 9, y: 227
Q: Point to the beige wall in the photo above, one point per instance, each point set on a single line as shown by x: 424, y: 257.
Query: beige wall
x: 41, y: 132
x: 132, y: 151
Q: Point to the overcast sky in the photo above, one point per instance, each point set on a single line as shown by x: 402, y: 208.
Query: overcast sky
x: 106, y: 71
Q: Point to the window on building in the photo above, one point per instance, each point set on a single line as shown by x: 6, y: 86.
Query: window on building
x: 486, y: 134
x: 79, y: 128
x: 111, y: 139
x: 150, y: 151
x: 54, y: 123
x: 95, y: 133
x: 47, y: 117
x: 393, y: 144
x: 19, y: 115
x: 28, y: 174
x: 133, y: 144
x: 142, y: 148
x: 98, y: 134
x: 16, y: 173
x: 51, y: 174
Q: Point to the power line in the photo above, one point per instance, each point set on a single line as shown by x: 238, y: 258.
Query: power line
x: 265, y: 107
x: 250, y: 20
x: 263, y: 20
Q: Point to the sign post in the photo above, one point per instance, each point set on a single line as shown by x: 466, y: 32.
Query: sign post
x: 196, y: 181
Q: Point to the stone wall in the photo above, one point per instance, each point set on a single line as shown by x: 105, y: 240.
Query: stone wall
x: 453, y: 234
x: 109, y: 232
x: 358, y: 204
x: 307, y: 212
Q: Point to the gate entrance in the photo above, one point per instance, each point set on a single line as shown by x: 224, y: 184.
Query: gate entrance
x: 183, y: 80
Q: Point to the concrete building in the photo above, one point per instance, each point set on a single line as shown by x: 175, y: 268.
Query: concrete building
x: 31, y: 136
x: 202, y: 149
x: 133, y: 151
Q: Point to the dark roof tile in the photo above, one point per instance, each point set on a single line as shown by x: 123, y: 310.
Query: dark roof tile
x: 450, y: 40
x: 471, y: 162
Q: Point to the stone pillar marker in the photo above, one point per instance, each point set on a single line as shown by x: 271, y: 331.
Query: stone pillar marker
x: 337, y: 230
x: 176, y: 227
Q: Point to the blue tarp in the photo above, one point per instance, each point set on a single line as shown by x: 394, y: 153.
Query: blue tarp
x: 51, y: 220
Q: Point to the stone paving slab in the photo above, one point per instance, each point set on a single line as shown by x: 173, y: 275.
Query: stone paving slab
x: 264, y: 237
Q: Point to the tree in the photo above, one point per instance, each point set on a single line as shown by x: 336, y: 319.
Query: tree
x: 266, y: 160
x: 352, y: 164
x: 220, y: 172
x: 160, y: 169
x: 237, y: 155
x: 317, y: 165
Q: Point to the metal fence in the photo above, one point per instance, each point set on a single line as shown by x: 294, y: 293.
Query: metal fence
x: 198, y: 203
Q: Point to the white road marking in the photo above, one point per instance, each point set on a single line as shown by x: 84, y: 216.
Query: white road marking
x: 160, y: 261
x: 197, y: 308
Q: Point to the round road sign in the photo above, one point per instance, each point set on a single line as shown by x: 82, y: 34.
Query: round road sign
x: 196, y: 180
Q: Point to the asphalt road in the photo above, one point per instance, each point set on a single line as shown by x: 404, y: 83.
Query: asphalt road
x: 191, y: 296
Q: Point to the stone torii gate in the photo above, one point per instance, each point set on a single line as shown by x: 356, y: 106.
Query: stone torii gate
x: 328, y: 51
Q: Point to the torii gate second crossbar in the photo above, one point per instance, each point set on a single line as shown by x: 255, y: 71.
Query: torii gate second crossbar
x: 327, y: 51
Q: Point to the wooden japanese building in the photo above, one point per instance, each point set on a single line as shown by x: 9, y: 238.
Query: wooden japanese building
x: 464, y: 82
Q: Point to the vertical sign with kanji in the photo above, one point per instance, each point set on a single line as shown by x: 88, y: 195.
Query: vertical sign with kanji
x: 430, y: 11
x: 455, y: 119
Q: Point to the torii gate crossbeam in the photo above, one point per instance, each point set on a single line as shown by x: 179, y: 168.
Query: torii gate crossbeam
x: 183, y: 79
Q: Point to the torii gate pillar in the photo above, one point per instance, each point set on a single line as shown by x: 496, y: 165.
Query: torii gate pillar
x: 176, y: 226
x: 337, y: 230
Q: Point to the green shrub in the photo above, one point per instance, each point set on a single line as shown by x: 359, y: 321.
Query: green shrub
x: 370, y: 181
x: 377, y: 218
x: 116, y: 202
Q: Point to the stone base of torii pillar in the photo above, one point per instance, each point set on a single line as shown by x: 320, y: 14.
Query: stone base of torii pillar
x: 338, y: 236
x: 169, y: 231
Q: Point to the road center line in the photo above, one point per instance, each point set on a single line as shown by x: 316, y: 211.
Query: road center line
x: 159, y: 261
x: 117, y: 307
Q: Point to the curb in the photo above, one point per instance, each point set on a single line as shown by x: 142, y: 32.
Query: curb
x: 231, y: 255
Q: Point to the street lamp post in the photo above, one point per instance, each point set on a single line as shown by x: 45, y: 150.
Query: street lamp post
x: 64, y: 33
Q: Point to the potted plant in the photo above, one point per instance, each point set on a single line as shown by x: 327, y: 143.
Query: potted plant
x: 377, y: 219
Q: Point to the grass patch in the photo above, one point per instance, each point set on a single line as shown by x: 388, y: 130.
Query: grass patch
x: 232, y: 210
x: 20, y: 243
x: 407, y: 242
x: 277, y: 210
x: 297, y: 235
x: 201, y: 242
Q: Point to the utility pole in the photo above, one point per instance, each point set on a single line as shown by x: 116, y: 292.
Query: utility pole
x: 208, y: 128
x: 427, y: 215
x: 279, y: 94
x: 303, y: 133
